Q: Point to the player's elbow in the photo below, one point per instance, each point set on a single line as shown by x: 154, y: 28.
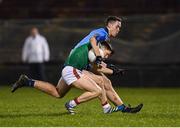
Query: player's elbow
x: 92, y: 38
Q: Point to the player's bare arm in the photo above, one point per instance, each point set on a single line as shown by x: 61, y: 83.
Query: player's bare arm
x: 95, y: 46
x: 102, y: 69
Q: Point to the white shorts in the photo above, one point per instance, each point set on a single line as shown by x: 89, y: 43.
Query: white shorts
x: 71, y: 74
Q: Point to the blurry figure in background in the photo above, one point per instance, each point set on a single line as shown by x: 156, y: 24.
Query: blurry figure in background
x: 35, y: 52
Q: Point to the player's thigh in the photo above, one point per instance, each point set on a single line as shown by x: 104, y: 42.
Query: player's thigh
x: 97, y: 78
x: 62, y: 87
x: 87, y: 84
x: 75, y: 77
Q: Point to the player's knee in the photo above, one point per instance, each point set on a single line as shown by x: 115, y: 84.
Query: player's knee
x: 98, y: 92
x: 61, y: 95
x: 101, y: 82
x: 108, y: 85
x: 57, y: 95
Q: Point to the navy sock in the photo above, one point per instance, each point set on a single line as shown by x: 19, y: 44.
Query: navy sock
x: 30, y: 82
x: 121, y: 107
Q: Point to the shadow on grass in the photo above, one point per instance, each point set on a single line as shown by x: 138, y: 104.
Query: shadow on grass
x: 33, y: 114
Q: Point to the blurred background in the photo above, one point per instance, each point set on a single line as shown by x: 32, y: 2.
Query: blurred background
x: 148, y: 44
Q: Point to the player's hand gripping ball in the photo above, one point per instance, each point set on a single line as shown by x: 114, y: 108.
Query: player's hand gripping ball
x: 92, y: 56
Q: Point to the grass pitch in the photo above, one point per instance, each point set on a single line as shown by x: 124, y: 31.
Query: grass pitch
x: 30, y: 107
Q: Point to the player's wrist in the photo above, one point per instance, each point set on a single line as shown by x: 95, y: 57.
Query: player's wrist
x: 98, y: 60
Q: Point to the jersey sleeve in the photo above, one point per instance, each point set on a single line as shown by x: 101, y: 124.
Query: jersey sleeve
x: 100, y: 35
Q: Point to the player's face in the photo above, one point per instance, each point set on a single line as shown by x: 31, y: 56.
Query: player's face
x: 115, y: 28
x: 107, y: 53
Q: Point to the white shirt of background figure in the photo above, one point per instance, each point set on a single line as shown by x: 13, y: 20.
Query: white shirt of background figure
x: 35, y: 49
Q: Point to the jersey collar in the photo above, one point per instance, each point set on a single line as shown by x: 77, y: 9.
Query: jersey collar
x: 106, y: 29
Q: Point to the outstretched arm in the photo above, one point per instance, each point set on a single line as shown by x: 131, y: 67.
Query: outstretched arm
x: 108, y: 69
x: 102, y: 68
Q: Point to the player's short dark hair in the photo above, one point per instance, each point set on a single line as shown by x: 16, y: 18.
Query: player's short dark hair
x: 112, y: 18
x: 108, y: 46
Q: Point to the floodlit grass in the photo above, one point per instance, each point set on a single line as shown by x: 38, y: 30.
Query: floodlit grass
x: 30, y: 107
